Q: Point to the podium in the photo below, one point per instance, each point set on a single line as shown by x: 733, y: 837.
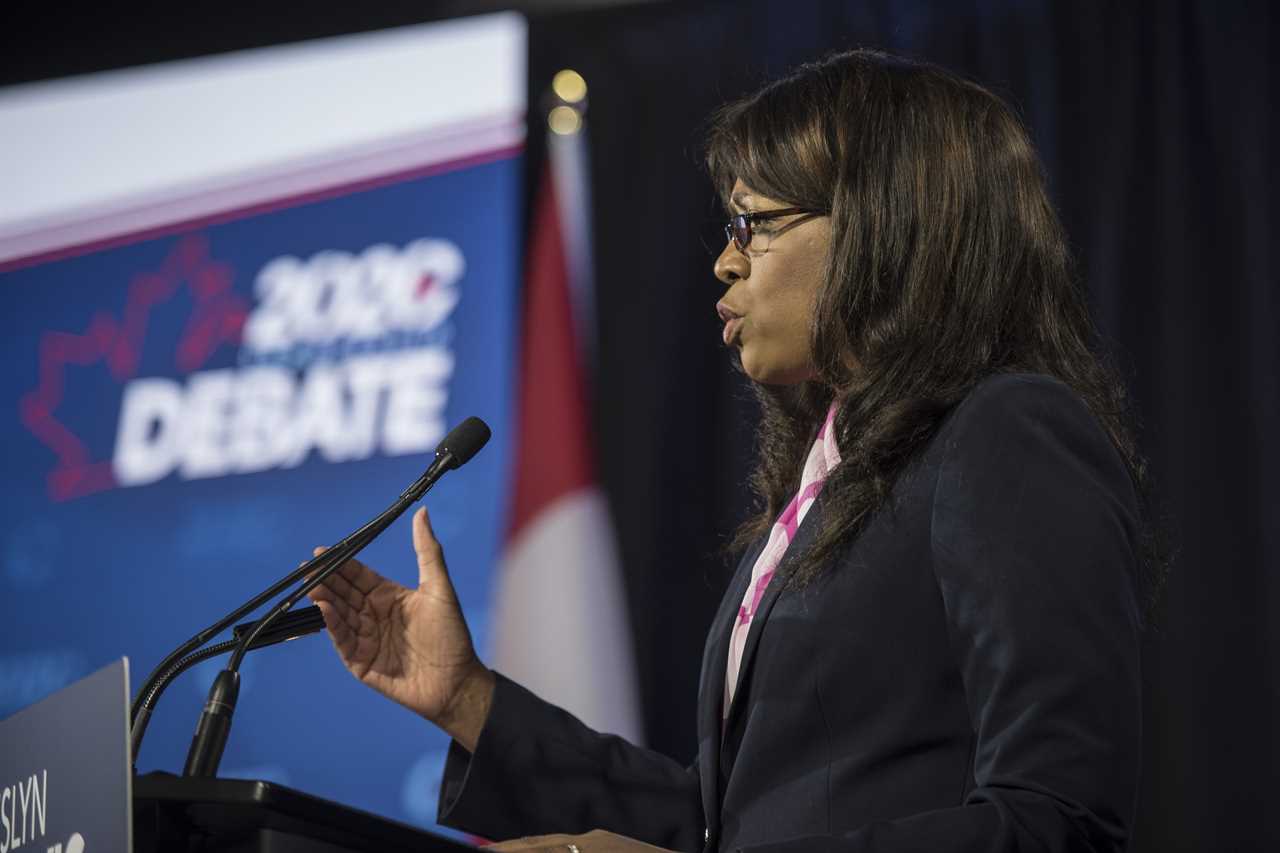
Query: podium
x: 193, y: 815
x: 67, y: 784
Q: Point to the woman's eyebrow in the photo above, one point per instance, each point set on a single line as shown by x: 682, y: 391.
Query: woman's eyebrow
x: 740, y: 200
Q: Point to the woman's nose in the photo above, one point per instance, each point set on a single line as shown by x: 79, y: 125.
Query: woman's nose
x: 731, y: 265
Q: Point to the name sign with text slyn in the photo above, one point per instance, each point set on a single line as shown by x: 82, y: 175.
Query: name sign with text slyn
x: 64, y: 769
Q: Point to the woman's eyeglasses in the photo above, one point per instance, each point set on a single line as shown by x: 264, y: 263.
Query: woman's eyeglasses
x: 741, y: 228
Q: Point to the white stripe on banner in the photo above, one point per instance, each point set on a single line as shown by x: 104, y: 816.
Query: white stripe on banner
x: 191, y: 138
x: 570, y: 167
x: 560, y: 582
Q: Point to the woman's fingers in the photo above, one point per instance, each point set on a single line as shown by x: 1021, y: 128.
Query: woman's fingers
x: 320, y: 593
x: 356, y: 573
x: 352, y: 583
x: 333, y: 621
x: 536, y: 842
x: 340, y: 607
x: 595, y: 841
x: 344, y: 639
x: 361, y: 576
x: 345, y: 601
x: 338, y: 584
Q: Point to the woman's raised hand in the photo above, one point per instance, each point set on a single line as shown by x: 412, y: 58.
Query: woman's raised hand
x: 411, y: 645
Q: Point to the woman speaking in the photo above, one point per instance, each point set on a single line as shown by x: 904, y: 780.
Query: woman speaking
x: 931, y: 640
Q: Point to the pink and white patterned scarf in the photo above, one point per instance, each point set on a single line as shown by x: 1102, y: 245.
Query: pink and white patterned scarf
x: 823, y: 457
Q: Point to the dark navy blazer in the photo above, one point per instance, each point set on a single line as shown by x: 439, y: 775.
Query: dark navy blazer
x: 964, y: 677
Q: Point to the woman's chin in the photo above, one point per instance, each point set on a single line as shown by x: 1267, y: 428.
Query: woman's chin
x: 766, y: 372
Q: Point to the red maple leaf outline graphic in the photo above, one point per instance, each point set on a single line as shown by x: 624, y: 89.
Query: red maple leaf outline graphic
x: 217, y: 317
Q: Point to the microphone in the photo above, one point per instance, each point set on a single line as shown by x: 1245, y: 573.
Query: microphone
x: 210, y: 738
x: 463, y: 442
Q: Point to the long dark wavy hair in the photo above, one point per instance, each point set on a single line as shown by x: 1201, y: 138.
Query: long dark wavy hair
x: 948, y: 264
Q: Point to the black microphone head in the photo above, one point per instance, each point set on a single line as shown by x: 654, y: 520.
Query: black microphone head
x: 464, y: 441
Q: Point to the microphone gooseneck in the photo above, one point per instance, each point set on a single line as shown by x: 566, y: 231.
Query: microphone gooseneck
x: 457, y: 448
x: 298, y: 623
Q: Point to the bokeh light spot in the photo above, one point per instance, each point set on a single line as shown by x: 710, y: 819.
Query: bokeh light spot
x: 564, y: 120
x: 569, y: 86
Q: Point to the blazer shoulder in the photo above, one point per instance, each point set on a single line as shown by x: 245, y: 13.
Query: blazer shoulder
x: 1023, y: 423
x: 999, y: 397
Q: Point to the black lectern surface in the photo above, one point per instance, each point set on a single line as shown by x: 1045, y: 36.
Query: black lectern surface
x: 193, y: 815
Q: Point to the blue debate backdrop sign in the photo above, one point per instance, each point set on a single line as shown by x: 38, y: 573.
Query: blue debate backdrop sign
x: 190, y: 415
x: 186, y: 411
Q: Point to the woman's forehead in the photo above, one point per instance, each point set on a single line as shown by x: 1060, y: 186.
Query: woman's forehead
x: 743, y: 197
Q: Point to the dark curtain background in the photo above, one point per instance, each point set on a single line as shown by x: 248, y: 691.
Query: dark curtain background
x: 1154, y: 122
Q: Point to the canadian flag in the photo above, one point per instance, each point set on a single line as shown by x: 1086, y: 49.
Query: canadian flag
x: 560, y: 623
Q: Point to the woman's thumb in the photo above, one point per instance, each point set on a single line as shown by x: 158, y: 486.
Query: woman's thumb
x: 431, y: 568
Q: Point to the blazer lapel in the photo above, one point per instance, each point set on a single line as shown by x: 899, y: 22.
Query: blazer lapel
x: 804, y: 537
x: 715, y: 659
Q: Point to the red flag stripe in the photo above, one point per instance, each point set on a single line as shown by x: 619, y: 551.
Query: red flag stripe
x: 553, y: 451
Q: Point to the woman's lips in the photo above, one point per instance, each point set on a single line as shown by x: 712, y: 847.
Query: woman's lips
x: 732, y: 322
x: 731, y: 330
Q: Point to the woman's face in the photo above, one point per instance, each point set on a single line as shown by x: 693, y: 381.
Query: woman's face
x: 768, y: 309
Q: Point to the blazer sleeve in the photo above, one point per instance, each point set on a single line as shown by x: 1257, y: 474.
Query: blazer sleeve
x: 538, y: 770
x: 1034, y: 541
